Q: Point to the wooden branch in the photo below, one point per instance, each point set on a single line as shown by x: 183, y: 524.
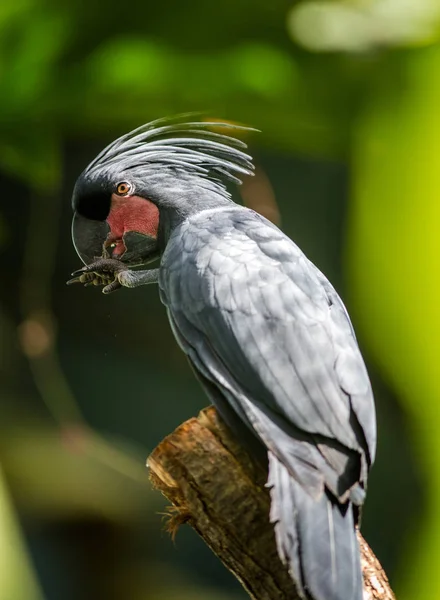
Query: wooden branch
x: 219, y: 490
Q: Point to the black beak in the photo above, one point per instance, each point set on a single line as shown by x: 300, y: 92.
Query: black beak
x: 141, y: 248
x: 88, y: 238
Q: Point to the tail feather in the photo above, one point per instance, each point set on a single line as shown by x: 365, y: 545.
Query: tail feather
x: 315, y: 537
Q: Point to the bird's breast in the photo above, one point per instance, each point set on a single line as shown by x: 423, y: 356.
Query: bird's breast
x: 224, y: 262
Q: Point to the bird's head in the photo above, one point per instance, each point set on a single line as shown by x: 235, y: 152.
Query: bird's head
x: 127, y: 201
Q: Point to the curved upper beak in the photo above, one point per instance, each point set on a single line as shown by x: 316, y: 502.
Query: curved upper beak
x: 88, y: 238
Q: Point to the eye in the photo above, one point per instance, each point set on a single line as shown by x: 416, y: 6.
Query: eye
x: 124, y: 188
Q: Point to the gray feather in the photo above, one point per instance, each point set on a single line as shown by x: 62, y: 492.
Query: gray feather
x: 258, y: 300
x: 316, y: 538
x: 273, y: 345
x: 172, y: 143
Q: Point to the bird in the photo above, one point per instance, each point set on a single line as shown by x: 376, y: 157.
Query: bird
x: 265, y: 332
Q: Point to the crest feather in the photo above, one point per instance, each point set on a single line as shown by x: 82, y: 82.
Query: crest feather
x: 180, y: 144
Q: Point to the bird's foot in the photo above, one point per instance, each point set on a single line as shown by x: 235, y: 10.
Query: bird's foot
x: 106, y: 272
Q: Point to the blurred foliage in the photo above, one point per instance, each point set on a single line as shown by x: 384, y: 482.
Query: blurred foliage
x: 362, y: 25
x: 17, y: 577
x: 355, y: 81
x: 394, y: 262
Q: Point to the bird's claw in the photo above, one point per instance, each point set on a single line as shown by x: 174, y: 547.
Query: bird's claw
x: 102, y: 272
x: 102, y: 266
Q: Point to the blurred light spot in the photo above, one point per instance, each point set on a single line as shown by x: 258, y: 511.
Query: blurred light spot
x: 320, y: 26
x: 74, y: 438
x: 364, y: 24
x: 263, y: 69
x: 36, y: 335
x: 127, y: 63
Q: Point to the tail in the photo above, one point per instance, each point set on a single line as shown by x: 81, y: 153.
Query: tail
x: 316, y: 539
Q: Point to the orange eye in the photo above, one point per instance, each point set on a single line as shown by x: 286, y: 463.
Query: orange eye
x: 124, y: 188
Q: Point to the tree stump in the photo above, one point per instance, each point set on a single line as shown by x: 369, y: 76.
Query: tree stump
x: 216, y: 487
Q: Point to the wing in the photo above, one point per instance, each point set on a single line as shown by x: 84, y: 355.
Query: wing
x: 259, y: 320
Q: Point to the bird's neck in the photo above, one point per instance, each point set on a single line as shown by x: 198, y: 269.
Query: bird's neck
x: 182, y: 199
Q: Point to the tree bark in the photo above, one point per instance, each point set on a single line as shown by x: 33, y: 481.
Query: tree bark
x: 216, y: 487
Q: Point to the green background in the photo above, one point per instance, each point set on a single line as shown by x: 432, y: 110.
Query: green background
x: 347, y: 98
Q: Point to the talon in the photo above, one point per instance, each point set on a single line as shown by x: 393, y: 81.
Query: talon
x: 74, y: 280
x: 109, y: 265
x: 79, y: 271
x: 102, y: 272
x: 112, y: 287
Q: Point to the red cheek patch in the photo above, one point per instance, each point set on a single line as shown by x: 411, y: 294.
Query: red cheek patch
x: 130, y: 213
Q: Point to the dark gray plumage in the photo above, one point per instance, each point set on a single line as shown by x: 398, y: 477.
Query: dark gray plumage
x: 267, y: 335
x: 264, y: 326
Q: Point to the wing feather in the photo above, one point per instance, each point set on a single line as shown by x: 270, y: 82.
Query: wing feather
x: 248, y: 303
